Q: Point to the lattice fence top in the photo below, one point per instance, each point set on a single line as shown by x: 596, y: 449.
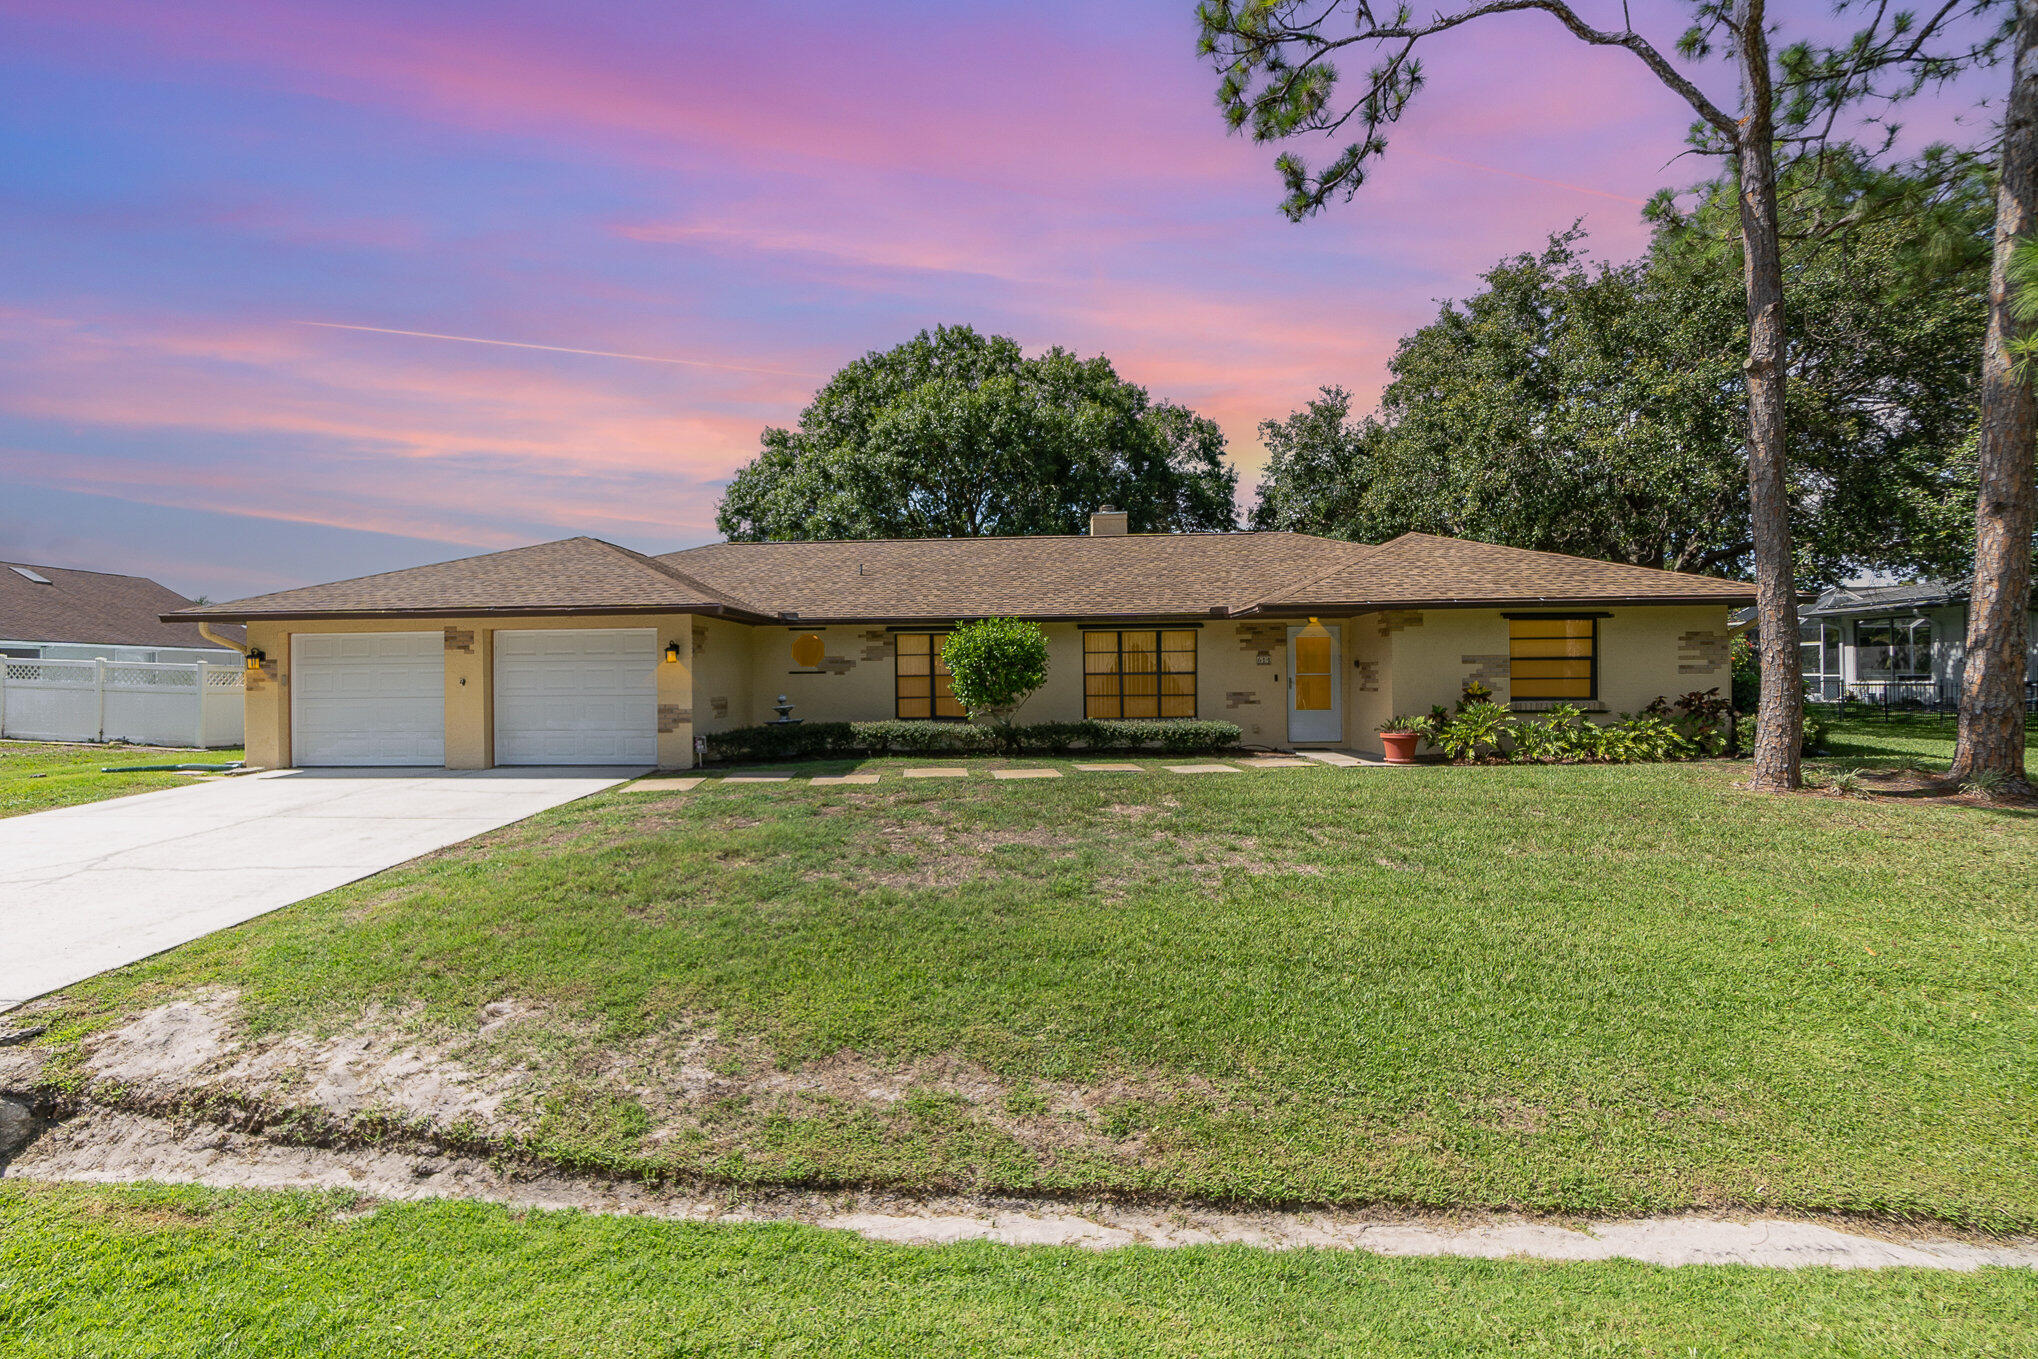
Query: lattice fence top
x: 123, y: 674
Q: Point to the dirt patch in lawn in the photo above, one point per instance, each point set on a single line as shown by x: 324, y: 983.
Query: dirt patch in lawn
x: 108, y: 1147
x: 519, y: 1072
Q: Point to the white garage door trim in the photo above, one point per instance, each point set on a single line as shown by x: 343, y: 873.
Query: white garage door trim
x: 576, y: 696
x: 368, y: 698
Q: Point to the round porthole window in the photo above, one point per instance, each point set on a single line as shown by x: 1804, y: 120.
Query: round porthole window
x: 807, y: 650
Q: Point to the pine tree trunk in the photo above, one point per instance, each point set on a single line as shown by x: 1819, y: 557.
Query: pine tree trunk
x: 1780, y: 725
x: 1998, y: 618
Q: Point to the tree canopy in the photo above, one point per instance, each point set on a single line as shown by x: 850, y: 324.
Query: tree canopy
x: 1594, y: 408
x: 957, y: 434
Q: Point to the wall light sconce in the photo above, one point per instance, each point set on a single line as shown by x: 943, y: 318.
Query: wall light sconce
x: 672, y: 653
x: 255, y: 658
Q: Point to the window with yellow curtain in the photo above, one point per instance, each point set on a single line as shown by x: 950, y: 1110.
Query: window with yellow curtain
x: 1140, y: 673
x: 1553, y: 658
x: 923, y: 687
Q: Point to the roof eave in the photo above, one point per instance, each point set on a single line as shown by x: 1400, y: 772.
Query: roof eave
x: 492, y: 611
x: 1288, y: 610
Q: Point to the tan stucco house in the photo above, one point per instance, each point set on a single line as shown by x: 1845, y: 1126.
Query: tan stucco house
x: 582, y: 652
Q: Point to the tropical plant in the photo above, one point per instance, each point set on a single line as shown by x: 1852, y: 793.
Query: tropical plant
x: 1477, y: 729
x: 1415, y: 725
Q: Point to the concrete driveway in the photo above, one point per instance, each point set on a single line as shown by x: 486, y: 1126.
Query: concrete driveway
x: 84, y: 889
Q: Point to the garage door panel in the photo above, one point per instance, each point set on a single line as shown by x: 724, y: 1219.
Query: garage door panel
x: 368, y: 699
x: 587, y: 696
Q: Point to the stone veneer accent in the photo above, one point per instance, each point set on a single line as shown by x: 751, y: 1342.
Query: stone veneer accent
x: 1701, y: 652
x: 671, y: 717
x: 719, y: 706
x: 878, y: 645
x: 1491, y: 671
x: 1369, y: 676
x: 1241, y: 698
x: 262, y: 678
x: 1394, y: 620
x: 1262, y: 636
x: 700, y: 638
x: 460, y: 639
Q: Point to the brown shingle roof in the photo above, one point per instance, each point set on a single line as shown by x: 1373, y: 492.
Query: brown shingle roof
x: 1134, y: 575
x: 573, y: 575
x: 1423, y: 569
x: 92, y: 607
x: 939, y: 579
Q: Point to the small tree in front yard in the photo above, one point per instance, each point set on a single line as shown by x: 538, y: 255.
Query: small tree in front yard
x: 994, y: 665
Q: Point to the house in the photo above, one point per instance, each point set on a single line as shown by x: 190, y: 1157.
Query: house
x: 59, y: 613
x: 88, y: 656
x: 1896, y: 645
x: 583, y: 652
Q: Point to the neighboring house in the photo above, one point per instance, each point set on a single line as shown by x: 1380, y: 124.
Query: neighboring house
x: 87, y: 656
x: 1890, y: 644
x: 60, y: 614
x: 582, y: 652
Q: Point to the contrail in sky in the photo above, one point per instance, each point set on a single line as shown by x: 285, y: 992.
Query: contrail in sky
x: 1533, y: 179
x: 562, y: 349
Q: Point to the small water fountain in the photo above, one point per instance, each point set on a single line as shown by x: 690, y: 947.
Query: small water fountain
x: 784, y: 709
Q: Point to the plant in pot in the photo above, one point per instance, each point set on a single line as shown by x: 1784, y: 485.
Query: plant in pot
x: 1401, y: 735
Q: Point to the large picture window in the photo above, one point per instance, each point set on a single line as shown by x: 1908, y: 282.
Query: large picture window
x: 1553, y: 658
x: 1144, y: 673
x: 1893, y: 648
x: 922, y: 687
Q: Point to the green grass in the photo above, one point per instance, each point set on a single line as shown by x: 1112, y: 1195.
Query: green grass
x: 189, y: 1272
x: 1575, y: 990
x: 38, y: 775
x: 1921, y: 739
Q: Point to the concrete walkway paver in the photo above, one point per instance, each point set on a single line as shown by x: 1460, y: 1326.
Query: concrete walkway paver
x: 1204, y: 769
x: 825, y: 779
x: 937, y: 773
x: 666, y: 784
x: 87, y: 888
x: 1025, y: 773
x: 1112, y: 768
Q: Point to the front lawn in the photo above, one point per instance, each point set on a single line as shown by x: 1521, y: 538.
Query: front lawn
x: 1921, y: 739
x: 38, y: 775
x: 89, y: 1271
x: 1579, y: 990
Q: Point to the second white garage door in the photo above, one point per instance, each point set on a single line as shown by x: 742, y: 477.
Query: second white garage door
x: 584, y: 696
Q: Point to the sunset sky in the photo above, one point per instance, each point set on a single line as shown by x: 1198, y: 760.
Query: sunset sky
x: 218, y: 217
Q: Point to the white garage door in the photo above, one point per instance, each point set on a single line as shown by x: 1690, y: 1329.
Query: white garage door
x: 588, y: 696
x: 368, y: 698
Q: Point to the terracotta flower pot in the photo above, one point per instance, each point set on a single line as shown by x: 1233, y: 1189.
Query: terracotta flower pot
x: 1400, y: 746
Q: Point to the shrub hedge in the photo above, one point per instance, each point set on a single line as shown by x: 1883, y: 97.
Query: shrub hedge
x: 821, y: 740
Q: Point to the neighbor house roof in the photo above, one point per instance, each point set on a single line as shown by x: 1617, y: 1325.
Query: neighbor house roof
x: 573, y: 575
x: 93, y: 607
x: 1924, y: 594
x: 1130, y: 575
x: 939, y: 579
x: 1423, y: 570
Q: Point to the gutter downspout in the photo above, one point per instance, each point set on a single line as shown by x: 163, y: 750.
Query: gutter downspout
x: 205, y: 631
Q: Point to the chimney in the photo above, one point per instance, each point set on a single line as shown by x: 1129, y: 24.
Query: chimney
x: 1108, y: 523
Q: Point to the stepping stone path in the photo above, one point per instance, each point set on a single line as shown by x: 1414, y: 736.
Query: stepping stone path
x: 668, y: 783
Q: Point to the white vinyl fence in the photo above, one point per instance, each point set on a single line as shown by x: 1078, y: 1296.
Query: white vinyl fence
x: 196, y: 704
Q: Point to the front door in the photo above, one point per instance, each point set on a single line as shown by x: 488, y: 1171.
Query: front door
x: 1316, y: 700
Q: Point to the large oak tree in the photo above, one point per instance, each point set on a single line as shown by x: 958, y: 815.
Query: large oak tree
x: 957, y: 434
x: 1590, y: 409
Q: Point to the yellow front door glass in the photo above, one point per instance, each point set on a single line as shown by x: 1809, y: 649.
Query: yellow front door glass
x: 1312, y: 673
